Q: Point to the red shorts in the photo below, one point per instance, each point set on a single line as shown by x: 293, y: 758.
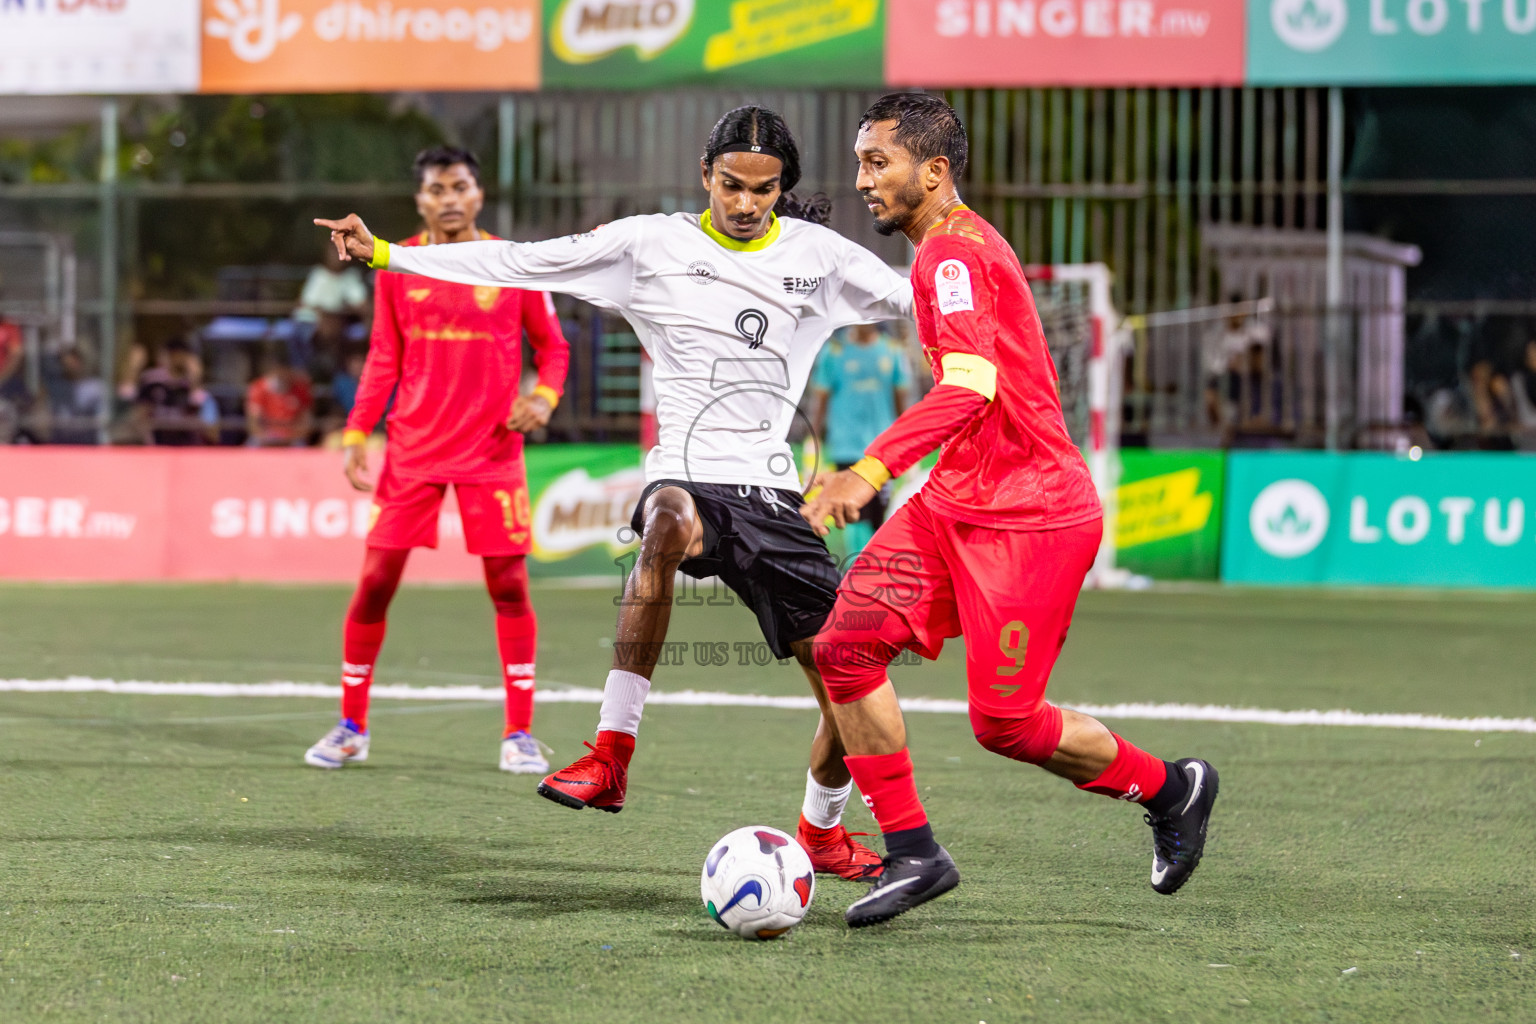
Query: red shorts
x: 496, y: 516
x: 1010, y: 592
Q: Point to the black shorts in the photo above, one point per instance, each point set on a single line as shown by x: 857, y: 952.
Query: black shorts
x: 757, y: 543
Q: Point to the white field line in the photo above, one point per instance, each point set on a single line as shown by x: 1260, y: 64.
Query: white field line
x: 696, y: 698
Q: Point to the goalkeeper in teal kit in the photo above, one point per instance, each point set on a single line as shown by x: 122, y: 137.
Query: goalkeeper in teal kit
x: 859, y: 386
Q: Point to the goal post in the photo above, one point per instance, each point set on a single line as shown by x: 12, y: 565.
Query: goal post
x: 1087, y: 340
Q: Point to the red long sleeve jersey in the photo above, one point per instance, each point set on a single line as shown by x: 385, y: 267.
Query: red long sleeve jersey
x: 455, y: 351
x: 1009, y: 463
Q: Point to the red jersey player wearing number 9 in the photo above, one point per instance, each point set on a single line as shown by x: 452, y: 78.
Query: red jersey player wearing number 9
x: 451, y: 355
x: 995, y: 546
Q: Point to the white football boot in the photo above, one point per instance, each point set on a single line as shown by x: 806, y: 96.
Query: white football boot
x: 337, y: 747
x: 521, y: 754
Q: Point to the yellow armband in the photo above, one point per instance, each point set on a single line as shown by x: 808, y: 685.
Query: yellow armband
x: 380, y: 258
x: 547, y: 393
x: 872, y: 470
x: 352, y: 437
x: 964, y: 370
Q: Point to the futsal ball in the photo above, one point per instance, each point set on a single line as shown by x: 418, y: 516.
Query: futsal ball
x: 757, y: 882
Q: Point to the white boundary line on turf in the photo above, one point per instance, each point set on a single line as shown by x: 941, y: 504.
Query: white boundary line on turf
x: 696, y: 698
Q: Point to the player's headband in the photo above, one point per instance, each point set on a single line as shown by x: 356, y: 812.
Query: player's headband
x: 752, y: 147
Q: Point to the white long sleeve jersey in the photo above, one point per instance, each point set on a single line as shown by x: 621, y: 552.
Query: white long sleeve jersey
x: 732, y: 327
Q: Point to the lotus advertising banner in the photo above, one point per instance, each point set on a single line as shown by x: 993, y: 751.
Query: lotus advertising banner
x: 1446, y: 520
x: 641, y: 44
x: 1391, y: 42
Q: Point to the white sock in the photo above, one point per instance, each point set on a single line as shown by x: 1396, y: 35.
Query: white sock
x: 823, y: 806
x: 623, y: 697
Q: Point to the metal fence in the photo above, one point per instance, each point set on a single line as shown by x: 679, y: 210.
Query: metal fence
x: 1139, y: 179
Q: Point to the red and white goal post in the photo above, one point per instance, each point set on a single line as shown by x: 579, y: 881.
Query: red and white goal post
x: 1088, y: 340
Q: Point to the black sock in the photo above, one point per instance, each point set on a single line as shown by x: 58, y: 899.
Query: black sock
x: 1174, y: 792
x: 911, y: 842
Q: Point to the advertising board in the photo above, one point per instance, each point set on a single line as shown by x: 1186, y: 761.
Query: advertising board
x: 189, y: 514
x: 641, y: 44
x: 1386, y: 42
x: 1168, y: 513
x: 1446, y: 520
x: 998, y: 43
x: 369, y: 45
x: 98, y: 46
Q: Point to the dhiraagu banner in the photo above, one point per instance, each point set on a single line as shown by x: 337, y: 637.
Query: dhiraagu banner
x: 1168, y: 513
x: 1445, y: 520
x: 1391, y: 42
x: 641, y: 44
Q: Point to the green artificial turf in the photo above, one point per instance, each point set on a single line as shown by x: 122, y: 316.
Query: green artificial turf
x: 171, y: 859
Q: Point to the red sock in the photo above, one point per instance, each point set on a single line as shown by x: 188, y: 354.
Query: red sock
x: 1133, y: 775
x: 518, y: 638
x: 620, y: 744
x: 360, y: 643
x: 889, y: 789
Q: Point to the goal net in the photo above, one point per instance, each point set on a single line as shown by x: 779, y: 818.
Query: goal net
x: 1087, y: 342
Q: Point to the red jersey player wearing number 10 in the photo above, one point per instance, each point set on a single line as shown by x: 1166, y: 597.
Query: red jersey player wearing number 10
x: 995, y: 546
x: 451, y: 355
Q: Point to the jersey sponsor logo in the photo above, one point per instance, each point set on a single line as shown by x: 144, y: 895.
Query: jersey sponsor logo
x: 486, y: 296
x: 752, y: 324
x: 702, y: 272
x: 952, y: 287
x: 801, y: 285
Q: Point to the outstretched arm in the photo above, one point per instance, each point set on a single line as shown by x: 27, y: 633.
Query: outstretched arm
x: 596, y: 266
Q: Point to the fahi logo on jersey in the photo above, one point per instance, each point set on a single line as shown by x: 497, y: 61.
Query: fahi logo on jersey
x: 952, y: 287
x: 801, y: 285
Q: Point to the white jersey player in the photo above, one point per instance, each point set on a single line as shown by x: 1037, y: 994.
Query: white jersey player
x: 732, y: 305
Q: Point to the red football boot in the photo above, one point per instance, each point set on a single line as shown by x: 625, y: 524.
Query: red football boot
x: 834, y: 851
x: 596, y: 780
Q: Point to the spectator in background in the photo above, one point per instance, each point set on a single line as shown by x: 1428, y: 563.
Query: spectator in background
x: 1237, y: 360
x: 335, y: 295
x: 858, y: 388
x: 12, y: 387
x: 170, y: 405
x: 76, y: 401
x: 1521, y: 396
x: 344, y: 385
x: 343, y: 393
x: 278, y: 406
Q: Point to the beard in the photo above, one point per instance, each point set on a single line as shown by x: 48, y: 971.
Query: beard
x: 908, y: 198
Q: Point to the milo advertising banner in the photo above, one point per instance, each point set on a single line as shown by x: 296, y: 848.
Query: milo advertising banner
x: 1168, y: 516
x: 1391, y: 42
x: 582, y: 496
x: 641, y: 44
x: 1446, y: 520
